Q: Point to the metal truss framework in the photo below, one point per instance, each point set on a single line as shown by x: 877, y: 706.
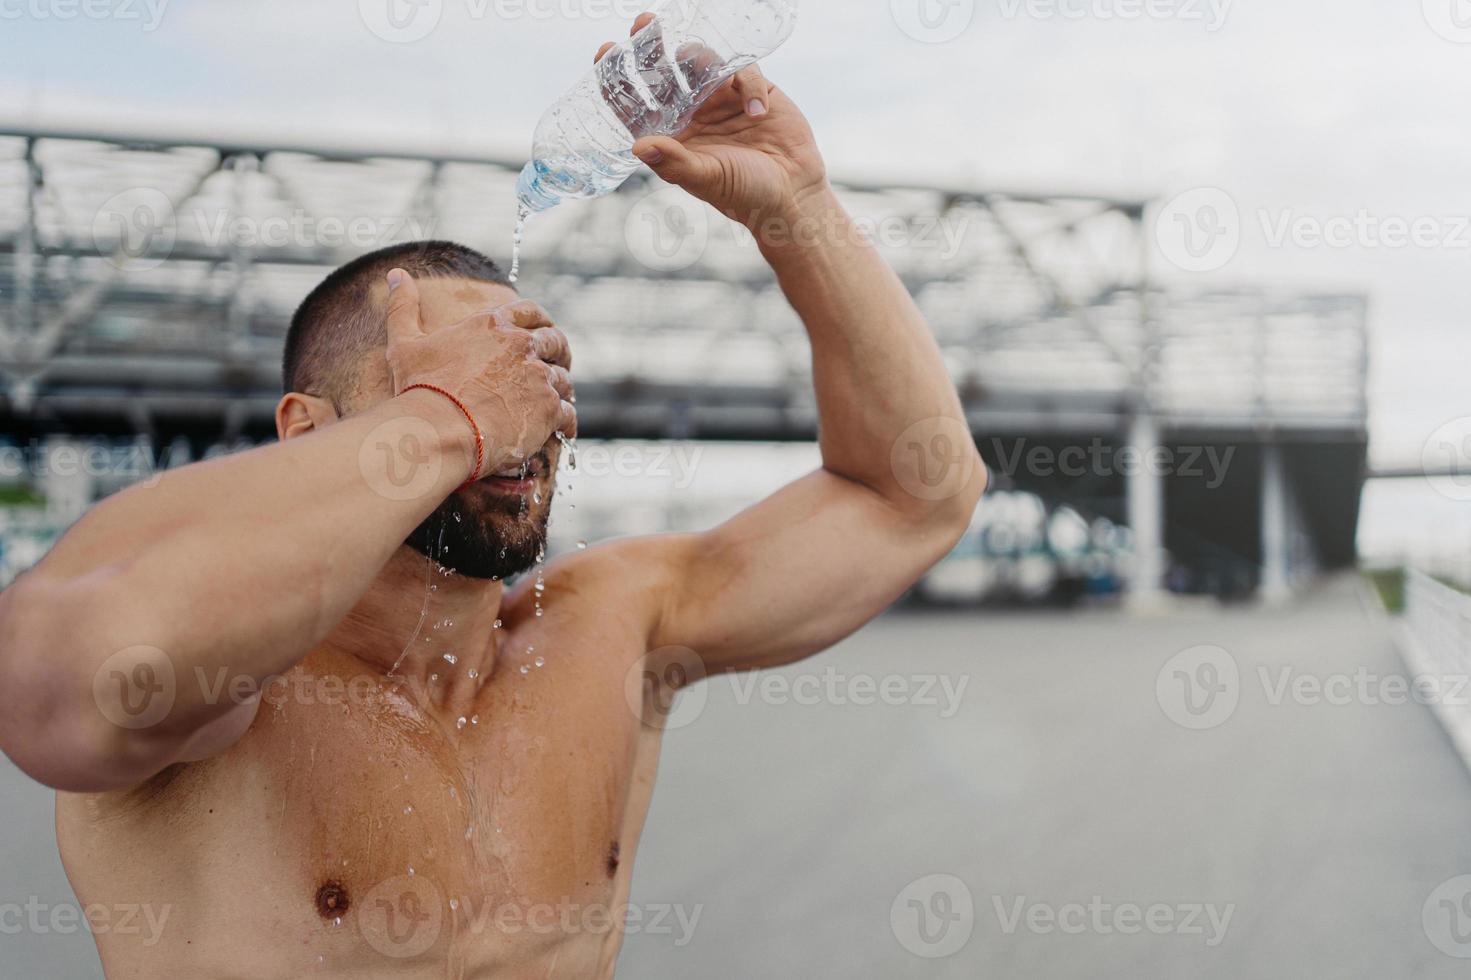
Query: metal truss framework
x: 151, y: 280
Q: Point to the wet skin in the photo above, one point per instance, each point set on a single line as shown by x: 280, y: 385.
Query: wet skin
x: 293, y: 851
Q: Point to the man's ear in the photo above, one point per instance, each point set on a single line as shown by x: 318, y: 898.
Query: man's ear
x: 298, y: 414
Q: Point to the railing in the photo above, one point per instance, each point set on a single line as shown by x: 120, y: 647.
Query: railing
x: 1436, y: 635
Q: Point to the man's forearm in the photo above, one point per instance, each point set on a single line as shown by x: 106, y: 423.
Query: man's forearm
x: 877, y: 370
x: 243, y: 563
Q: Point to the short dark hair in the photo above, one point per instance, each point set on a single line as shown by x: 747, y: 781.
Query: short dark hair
x: 336, y: 324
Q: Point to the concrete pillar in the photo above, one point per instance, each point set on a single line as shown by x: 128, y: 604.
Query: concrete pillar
x: 1146, y: 517
x: 1277, y: 526
x: 66, y: 480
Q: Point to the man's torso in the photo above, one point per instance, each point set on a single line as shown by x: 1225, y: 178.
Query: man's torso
x: 351, y: 833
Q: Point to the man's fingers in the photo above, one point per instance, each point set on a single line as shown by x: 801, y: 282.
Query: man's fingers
x: 561, y: 380
x: 755, y: 91
x: 523, y: 313
x: 567, y: 420
x: 550, y: 345
x: 675, y: 163
x: 403, y: 307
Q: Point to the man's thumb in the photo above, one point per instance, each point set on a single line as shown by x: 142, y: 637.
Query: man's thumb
x: 403, y: 306
x: 674, y: 163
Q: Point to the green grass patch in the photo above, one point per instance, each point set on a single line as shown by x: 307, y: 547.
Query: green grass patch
x: 1390, y: 584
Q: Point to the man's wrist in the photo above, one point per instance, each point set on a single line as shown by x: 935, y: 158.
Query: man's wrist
x: 813, y: 220
x: 456, y: 436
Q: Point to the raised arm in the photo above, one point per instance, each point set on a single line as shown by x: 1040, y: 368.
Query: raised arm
x: 900, y: 478
x: 245, y: 564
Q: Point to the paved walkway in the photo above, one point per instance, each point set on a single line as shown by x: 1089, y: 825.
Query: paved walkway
x: 1322, y: 829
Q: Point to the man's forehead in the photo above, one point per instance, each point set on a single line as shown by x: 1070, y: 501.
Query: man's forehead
x: 446, y: 301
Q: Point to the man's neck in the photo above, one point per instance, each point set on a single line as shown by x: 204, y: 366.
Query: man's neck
x: 439, y: 634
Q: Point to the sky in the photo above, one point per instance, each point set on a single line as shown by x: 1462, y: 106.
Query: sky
x: 1308, y: 115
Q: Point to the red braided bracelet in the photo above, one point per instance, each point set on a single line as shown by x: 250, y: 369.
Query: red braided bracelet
x: 479, y: 437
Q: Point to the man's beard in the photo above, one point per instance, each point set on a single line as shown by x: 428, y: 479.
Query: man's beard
x: 496, y: 537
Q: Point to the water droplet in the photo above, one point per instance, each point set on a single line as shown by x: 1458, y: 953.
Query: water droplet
x: 411, y: 871
x: 474, y: 673
x: 474, y: 719
x: 496, y: 625
x: 461, y: 722
x: 337, y: 921
x: 408, y: 809
x: 541, y: 661
x: 582, y: 546
x: 433, y: 678
x: 525, y: 669
x: 451, y: 659
x: 454, y: 904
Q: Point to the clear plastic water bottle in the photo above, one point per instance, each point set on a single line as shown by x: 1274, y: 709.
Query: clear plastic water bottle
x: 650, y: 85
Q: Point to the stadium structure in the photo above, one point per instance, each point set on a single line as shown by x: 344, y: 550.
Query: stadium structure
x: 146, y: 283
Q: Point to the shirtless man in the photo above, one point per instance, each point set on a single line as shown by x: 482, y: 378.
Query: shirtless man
x: 291, y: 709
